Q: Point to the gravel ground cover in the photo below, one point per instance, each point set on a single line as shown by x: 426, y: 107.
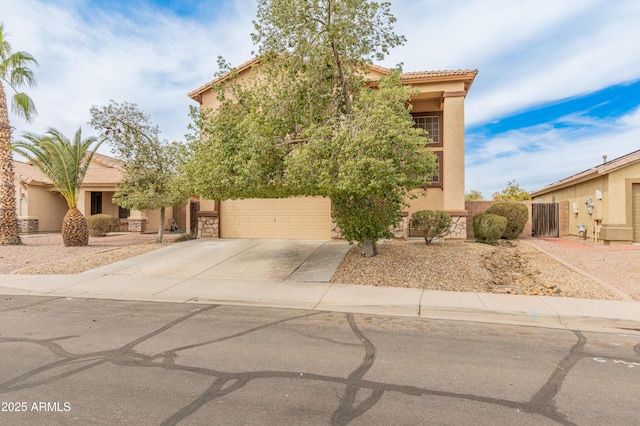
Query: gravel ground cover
x: 46, y: 254
x: 617, y: 266
x: 512, y: 267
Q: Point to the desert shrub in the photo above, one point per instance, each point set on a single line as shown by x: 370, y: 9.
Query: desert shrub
x: 433, y: 223
x: 488, y: 227
x: 99, y: 224
x: 516, y: 214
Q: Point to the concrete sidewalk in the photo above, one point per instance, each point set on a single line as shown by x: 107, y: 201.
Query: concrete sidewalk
x: 296, y: 274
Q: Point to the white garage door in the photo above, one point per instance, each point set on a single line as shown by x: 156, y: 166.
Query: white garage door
x: 307, y: 218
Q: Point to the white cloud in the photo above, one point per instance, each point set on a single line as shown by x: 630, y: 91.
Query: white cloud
x: 540, y: 155
x: 528, y: 52
x: 91, y: 57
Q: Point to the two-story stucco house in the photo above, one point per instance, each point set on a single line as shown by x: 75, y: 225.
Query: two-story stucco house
x: 438, y: 108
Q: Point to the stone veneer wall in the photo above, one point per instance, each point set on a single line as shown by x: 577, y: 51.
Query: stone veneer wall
x: 208, y: 224
x: 137, y: 225
x: 458, y: 228
x: 28, y: 225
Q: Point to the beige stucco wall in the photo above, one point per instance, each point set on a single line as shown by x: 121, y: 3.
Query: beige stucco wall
x: 612, y: 215
x: 108, y: 206
x: 429, y: 199
x: 38, y: 202
x: 153, y: 219
x: 209, y: 99
x: 453, y: 153
x: 578, y: 194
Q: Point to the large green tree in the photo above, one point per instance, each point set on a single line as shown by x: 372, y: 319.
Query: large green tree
x: 65, y: 163
x: 15, y: 73
x: 513, y: 192
x: 150, y: 163
x: 473, y: 195
x: 308, y: 124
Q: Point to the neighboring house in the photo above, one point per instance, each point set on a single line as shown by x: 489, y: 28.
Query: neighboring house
x: 438, y: 108
x: 41, y: 208
x: 604, y: 201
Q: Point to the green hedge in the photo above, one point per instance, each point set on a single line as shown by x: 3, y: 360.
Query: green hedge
x: 433, y: 223
x: 516, y: 214
x: 488, y: 228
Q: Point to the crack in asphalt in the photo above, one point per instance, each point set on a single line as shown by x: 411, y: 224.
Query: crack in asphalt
x: 224, y: 383
x: 543, y: 400
x: 347, y: 411
x: 42, y: 302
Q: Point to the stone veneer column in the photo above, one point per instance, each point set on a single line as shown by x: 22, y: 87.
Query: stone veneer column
x: 137, y: 221
x: 137, y: 224
x: 28, y: 225
x: 208, y: 224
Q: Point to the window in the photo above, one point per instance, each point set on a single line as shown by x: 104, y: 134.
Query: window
x: 123, y: 213
x: 436, y: 179
x: 431, y: 122
x: 96, y: 203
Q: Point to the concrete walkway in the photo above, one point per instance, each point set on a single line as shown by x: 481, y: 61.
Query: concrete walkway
x: 296, y: 274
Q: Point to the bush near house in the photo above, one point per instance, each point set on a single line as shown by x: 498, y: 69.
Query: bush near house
x: 433, y: 223
x: 488, y: 228
x: 516, y: 214
x: 99, y: 224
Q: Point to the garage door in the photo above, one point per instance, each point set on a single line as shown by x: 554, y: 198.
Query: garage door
x: 289, y: 218
x: 635, y: 203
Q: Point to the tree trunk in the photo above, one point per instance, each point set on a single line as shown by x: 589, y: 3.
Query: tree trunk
x: 161, y: 228
x: 369, y: 248
x: 75, y: 231
x: 9, y: 230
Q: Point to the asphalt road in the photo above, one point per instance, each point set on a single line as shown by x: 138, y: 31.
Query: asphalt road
x: 83, y: 361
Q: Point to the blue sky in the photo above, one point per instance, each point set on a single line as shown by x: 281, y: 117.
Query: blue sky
x: 558, y: 84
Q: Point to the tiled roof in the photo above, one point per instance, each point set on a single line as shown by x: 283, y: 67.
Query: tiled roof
x: 102, y: 175
x: 425, y: 74
x: 28, y: 173
x: 103, y: 170
x: 440, y: 73
x: 407, y: 76
x: 105, y: 160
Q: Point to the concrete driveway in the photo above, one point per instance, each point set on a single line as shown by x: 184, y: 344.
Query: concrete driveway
x: 237, y: 259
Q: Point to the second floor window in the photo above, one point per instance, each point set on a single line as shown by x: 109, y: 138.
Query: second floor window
x: 431, y: 122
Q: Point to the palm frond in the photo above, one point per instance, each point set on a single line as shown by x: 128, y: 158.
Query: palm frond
x: 15, y: 71
x: 22, y: 105
x: 64, y: 162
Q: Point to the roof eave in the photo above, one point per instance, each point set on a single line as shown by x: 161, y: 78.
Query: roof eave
x: 564, y: 183
x: 468, y: 79
x: 196, y: 95
x: 600, y: 170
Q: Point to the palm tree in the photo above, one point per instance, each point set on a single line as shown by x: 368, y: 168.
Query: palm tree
x: 65, y: 163
x: 15, y: 73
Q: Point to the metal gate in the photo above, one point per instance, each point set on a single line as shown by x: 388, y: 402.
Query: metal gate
x: 545, y: 218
